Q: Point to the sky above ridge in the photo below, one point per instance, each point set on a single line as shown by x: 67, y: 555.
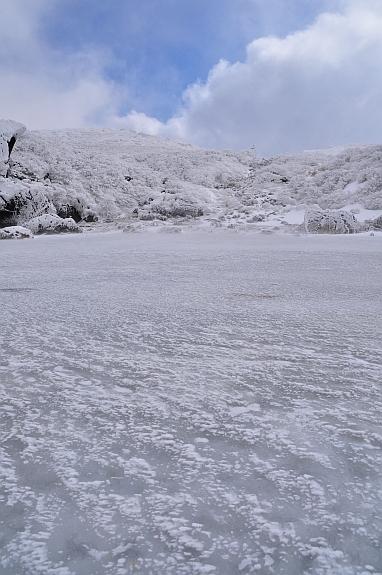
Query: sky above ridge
x: 285, y: 75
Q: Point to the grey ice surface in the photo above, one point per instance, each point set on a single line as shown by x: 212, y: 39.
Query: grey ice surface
x: 192, y: 404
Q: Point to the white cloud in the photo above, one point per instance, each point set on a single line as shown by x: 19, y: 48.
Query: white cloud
x: 42, y: 88
x: 317, y: 87
x: 39, y: 104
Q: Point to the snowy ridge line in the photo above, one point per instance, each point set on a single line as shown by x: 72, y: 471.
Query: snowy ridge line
x: 119, y: 178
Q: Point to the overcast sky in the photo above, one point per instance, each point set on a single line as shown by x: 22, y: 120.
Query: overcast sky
x: 285, y: 75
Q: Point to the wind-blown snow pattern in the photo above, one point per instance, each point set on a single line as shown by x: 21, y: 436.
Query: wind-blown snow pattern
x: 117, y: 176
x: 191, y: 404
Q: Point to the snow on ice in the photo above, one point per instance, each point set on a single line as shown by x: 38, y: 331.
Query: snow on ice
x: 202, y: 401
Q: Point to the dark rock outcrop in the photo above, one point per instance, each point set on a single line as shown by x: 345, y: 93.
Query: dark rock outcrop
x: 70, y: 211
x: 67, y: 211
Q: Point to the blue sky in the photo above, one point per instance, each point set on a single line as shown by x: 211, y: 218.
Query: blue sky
x: 157, y: 48
x: 285, y: 75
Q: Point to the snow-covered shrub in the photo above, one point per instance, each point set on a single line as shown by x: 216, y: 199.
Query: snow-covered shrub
x: 377, y: 223
x: 108, y: 210
x: 177, y: 208
x: 52, y: 224
x: 317, y: 221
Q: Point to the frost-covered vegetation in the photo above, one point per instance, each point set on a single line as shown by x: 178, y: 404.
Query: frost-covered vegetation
x: 116, y: 177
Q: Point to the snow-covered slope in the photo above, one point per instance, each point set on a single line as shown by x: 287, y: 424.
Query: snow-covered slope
x: 119, y: 175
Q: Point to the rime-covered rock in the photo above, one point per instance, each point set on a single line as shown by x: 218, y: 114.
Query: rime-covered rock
x: 377, y: 223
x: 69, y: 211
x: 19, y: 203
x: 66, y: 211
x: 52, y: 224
x: 317, y: 221
x: 15, y: 233
x: 9, y: 132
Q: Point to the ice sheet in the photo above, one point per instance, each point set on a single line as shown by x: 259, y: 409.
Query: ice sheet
x: 188, y: 404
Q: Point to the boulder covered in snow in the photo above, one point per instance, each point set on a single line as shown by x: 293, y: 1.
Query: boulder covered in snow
x: 52, y: 224
x: 77, y: 214
x: 9, y: 132
x: 317, y: 221
x: 377, y: 223
x: 15, y: 233
x: 19, y: 203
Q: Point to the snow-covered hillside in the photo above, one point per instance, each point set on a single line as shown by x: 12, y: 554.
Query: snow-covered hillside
x: 120, y: 177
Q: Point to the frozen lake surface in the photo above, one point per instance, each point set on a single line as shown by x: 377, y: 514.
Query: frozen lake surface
x: 191, y: 404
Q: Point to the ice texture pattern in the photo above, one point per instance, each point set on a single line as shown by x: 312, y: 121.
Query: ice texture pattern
x: 195, y: 403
